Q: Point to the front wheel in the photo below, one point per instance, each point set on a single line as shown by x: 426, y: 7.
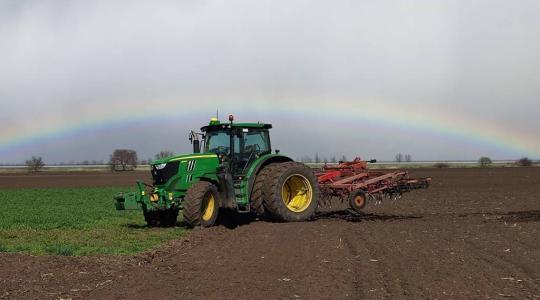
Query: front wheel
x: 291, y: 192
x: 201, y: 204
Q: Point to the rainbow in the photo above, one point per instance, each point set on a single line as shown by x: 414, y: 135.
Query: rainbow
x: 333, y: 113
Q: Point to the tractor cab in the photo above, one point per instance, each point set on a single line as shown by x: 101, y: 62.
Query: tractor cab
x: 236, y: 144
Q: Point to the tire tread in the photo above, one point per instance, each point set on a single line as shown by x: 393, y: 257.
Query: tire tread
x: 193, y: 202
x: 272, y: 200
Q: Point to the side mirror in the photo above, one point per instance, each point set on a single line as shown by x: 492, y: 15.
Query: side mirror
x: 196, y: 146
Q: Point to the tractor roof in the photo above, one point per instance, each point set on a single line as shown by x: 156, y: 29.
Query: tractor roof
x: 216, y: 125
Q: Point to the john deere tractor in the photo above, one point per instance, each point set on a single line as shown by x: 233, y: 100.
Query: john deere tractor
x: 236, y: 170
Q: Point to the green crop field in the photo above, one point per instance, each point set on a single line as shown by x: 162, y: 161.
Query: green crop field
x: 79, y: 221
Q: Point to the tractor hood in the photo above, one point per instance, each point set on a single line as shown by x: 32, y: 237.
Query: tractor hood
x: 182, y: 169
x: 182, y: 157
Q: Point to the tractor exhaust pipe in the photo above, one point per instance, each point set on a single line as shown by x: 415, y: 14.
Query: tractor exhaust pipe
x: 196, y: 146
x: 194, y: 139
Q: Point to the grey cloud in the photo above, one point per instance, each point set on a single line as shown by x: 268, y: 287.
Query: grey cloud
x: 476, y: 59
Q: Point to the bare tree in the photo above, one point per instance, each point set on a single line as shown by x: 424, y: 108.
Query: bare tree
x: 307, y: 159
x: 164, y: 154
x: 524, y: 162
x: 398, y: 157
x: 123, y: 159
x: 408, y: 157
x: 441, y: 165
x: 484, y: 161
x: 35, y: 164
x: 317, y: 158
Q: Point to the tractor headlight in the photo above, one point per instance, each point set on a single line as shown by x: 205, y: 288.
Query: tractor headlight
x: 160, y: 166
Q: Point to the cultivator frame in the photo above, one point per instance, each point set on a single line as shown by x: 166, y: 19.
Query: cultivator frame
x: 350, y: 179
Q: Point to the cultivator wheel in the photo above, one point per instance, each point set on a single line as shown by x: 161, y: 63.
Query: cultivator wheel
x: 290, y: 192
x: 161, y: 218
x: 357, y: 200
x: 201, y: 204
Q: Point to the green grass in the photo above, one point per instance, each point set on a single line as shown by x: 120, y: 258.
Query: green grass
x: 79, y: 221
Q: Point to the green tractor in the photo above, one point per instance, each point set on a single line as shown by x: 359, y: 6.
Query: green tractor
x: 236, y: 170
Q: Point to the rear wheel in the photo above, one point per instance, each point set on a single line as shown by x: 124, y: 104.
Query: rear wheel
x: 201, y: 204
x: 357, y: 200
x: 291, y: 192
x: 257, y: 194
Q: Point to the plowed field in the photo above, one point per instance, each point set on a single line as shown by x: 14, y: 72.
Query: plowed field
x: 475, y: 233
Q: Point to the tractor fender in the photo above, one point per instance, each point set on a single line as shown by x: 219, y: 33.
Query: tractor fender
x: 260, y: 163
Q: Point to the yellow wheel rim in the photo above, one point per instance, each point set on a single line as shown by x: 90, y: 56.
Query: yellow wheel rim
x: 297, y: 193
x: 208, y: 207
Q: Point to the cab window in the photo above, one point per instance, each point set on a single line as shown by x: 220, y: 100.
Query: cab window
x: 256, y: 141
x: 218, y: 142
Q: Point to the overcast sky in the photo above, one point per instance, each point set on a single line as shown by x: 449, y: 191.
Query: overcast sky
x: 475, y: 64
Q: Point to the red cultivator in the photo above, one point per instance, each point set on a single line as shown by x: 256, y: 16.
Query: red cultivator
x: 353, y: 181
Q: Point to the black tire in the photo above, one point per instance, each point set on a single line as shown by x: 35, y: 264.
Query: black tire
x: 169, y: 217
x: 161, y: 218
x: 282, y: 178
x: 357, y: 200
x: 197, y: 204
x: 151, y: 218
x: 257, y: 193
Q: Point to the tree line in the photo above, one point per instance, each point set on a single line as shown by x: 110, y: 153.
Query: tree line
x: 320, y: 159
x: 403, y: 157
x: 127, y: 159
x: 119, y: 160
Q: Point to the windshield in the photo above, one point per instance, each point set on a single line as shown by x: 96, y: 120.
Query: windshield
x: 253, y: 141
x: 218, y: 142
x: 247, y: 142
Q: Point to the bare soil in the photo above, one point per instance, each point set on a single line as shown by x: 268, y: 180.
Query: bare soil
x: 71, y: 179
x: 474, y: 234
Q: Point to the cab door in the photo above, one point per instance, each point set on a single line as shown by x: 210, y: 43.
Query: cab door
x: 249, y: 144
